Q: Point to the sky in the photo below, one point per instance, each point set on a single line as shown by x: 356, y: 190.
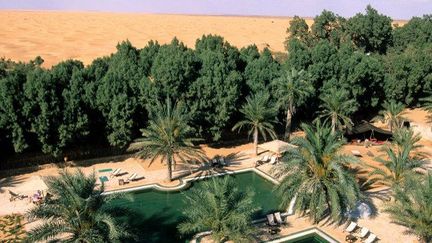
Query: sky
x: 397, y: 9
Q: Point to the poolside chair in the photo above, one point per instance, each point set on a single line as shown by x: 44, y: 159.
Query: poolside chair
x: 14, y: 196
x: 351, y: 227
x: 271, y: 220
x: 363, y: 232
x: 278, y: 218
x: 132, y: 177
x: 273, y: 160
x: 116, y: 172
x: 222, y: 161
x: 356, y: 153
x: 265, y: 159
x: 371, y: 238
x: 214, y: 162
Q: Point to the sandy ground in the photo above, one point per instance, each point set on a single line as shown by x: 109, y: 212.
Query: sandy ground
x: 56, y: 36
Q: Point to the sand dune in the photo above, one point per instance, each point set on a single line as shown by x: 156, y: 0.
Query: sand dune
x: 61, y: 35
x: 58, y: 36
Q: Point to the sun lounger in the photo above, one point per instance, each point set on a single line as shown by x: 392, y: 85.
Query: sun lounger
x: 371, y: 238
x: 273, y: 160
x: 14, y: 196
x: 271, y: 220
x: 116, y: 172
x: 363, y: 232
x: 278, y: 218
x: 351, y: 227
x: 132, y: 177
x: 222, y: 161
x: 265, y: 159
x: 214, y: 162
x: 356, y: 153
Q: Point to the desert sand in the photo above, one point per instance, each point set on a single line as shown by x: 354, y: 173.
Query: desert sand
x: 56, y: 36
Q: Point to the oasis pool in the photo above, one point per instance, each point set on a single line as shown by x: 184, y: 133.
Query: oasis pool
x: 157, y: 213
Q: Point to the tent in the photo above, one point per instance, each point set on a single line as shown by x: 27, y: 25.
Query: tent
x: 276, y: 146
x: 366, y: 130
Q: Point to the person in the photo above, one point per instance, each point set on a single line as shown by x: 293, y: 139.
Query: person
x: 37, y: 197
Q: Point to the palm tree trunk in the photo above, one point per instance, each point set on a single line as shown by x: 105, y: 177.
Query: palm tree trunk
x: 333, y: 124
x: 169, y: 176
x: 256, y: 140
x: 289, y: 116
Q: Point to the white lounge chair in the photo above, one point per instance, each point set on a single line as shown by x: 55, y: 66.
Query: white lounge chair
x: 271, y: 220
x: 278, y: 218
x: 371, y: 238
x: 273, y: 160
x: 363, y: 232
x: 132, y: 177
x: 116, y: 172
x: 222, y: 161
x: 265, y: 158
x: 351, y: 227
x: 356, y: 153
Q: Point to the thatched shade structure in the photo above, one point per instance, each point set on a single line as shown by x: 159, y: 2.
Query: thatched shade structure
x: 368, y: 131
x: 276, y: 146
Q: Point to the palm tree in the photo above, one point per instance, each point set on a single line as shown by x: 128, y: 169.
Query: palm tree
x: 168, y: 136
x: 336, y: 109
x: 220, y: 206
x: 392, y: 114
x: 316, y: 175
x: 292, y: 89
x: 401, y: 160
x: 413, y: 207
x: 259, y: 116
x: 405, y: 137
x: 77, y: 211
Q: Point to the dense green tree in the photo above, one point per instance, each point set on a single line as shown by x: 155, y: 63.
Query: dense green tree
x: 413, y: 207
x: 43, y: 109
x: 77, y: 211
x: 261, y: 71
x: 174, y: 69
x: 317, y: 176
x: 361, y: 75
x: 371, y: 31
x: 336, y: 109
x: 298, y: 29
x: 117, y: 92
x: 325, y: 63
x: 220, y: 206
x: 147, y: 56
x: 13, y: 118
x: 214, y: 96
x: 259, y: 114
x: 328, y: 26
x: 167, y: 136
x: 74, y: 124
x: 299, y: 54
x: 408, y: 74
x: 392, y: 114
x: 417, y: 32
x: 291, y: 90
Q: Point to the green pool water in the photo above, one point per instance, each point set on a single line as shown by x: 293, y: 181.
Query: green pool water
x: 157, y: 213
